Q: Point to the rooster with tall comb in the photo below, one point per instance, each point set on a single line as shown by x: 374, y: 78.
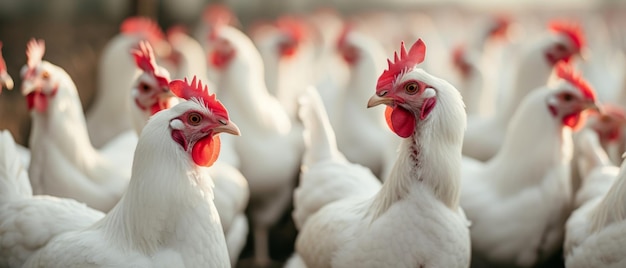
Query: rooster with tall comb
x: 414, y: 219
x: 167, y: 217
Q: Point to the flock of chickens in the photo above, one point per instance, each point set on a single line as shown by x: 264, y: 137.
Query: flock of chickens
x: 475, y: 155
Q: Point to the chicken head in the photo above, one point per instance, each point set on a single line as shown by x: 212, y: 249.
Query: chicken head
x: 198, y: 121
x: 151, y: 90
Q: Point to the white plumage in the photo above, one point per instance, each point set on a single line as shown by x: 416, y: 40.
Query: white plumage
x: 63, y: 161
x: 27, y: 222
x: 414, y: 219
x: 519, y: 200
x: 165, y: 219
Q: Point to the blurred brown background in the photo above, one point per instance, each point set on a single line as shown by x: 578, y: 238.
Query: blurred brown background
x: 76, y: 31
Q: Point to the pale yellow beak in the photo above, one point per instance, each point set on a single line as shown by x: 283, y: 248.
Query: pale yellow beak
x: 229, y: 128
x: 377, y: 100
x: 6, y: 81
x: 593, y: 106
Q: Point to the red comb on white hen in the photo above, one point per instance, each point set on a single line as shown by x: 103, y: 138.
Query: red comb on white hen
x: 145, y: 60
x: 295, y: 30
x: 567, y: 73
x: 195, y: 90
x: 401, y: 63
x: 572, y: 30
x: 143, y: 26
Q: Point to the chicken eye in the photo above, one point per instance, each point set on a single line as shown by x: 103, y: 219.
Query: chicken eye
x: 568, y: 97
x: 194, y: 119
x: 45, y: 75
x: 411, y: 88
x: 144, y: 87
x: 560, y: 48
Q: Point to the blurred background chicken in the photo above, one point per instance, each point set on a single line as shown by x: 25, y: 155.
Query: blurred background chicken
x: 260, y: 56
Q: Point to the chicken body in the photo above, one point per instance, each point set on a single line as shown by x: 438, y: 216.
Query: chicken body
x: 167, y: 217
x: 63, y: 161
x: 355, y: 125
x: 519, y: 200
x: 270, y: 155
x: 27, y: 222
x: 485, y: 135
x: 595, y: 231
x: 414, y: 219
x: 108, y: 117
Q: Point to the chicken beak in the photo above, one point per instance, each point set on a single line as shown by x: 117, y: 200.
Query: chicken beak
x: 6, y: 81
x: 377, y: 100
x: 229, y: 128
x: 584, y: 54
x: 592, y: 105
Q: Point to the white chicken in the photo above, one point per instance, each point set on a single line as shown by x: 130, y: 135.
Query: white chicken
x: 322, y: 163
x: 595, y: 231
x: 166, y: 218
x: 414, y: 219
x: 519, y: 200
x: 358, y: 128
x: 609, y: 128
x: 466, y: 59
x: 286, y: 49
x: 108, y: 115
x: 330, y: 72
x: 270, y: 154
x: 598, y: 173
x: 187, y: 56
x: 484, y: 136
x: 151, y: 94
x: 28, y: 222
x: 63, y: 161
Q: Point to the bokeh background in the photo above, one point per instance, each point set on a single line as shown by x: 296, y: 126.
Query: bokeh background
x: 76, y: 31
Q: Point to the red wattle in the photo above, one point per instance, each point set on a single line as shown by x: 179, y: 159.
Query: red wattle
x: 427, y: 107
x: 158, y: 106
x: 573, y: 121
x: 38, y: 101
x: 206, y: 151
x: 400, y: 121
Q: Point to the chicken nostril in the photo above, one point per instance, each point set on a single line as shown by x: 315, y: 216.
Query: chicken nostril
x: 382, y: 93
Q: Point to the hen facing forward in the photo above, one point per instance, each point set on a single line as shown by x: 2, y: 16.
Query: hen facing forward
x: 167, y: 217
x: 415, y: 219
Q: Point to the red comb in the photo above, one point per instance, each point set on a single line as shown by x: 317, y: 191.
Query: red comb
x: 3, y: 65
x: 174, y: 31
x: 218, y: 14
x: 500, y: 25
x: 34, y: 53
x: 184, y: 90
x: 567, y: 73
x: 405, y: 61
x: 347, y: 28
x: 145, y: 60
x: 146, y: 27
x: 293, y: 27
x: 457, y: 54
x: 571, y: 30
